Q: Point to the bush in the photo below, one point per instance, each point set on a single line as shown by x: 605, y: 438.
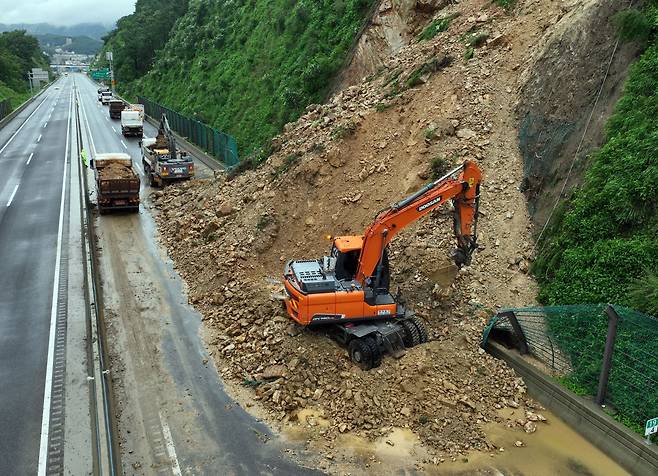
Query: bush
x: 437, y: 26
x: 633, y: 25
x: 439, y: 166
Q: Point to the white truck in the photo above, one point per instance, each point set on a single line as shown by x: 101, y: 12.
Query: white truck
x: 106, y: 97
x: 132, y: 121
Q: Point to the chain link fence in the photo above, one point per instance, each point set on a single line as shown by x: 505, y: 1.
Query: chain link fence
x: 606, y: 352
x: 5, y: 108
x: 219, y: 145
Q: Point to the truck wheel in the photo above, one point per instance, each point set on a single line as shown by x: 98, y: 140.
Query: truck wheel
x: 411, y: 334
x: 422, y: 332
x: 360, y: 353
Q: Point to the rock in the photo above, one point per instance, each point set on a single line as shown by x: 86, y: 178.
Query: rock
x: 518, y: 443
x: 406, y: 411
x: 530, y: 427
x: 273, y: 371
x: 225, y: 209
x: 466, y: 134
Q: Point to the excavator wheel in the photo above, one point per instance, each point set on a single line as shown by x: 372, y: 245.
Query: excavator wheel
x: 422, y: 332
x: 361, y: 353
x: 411, y: 335
x: 374, y: 350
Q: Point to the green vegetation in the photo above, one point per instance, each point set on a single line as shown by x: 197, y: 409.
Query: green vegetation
x: 19, y: 53
x: 343, y: 130
x: 506, y: 4
x: 437, y: 26
x: 439, y: 166
x: 244, y: 67
x: 287, y: 164
x: 80, y: 44
x: 427, y: 68
x: 602, y: 245
x: 139, y: 36
x: 607, y: 237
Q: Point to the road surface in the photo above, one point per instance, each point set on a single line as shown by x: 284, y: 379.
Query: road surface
x: 36, y: 248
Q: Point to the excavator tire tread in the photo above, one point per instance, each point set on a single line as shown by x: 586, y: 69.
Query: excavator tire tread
x: 411, y: 334
x: 361, y: 353
x: 376, y: 353
x: 422, y: 331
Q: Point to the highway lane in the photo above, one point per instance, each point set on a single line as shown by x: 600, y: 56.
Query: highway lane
x: 30, y: 231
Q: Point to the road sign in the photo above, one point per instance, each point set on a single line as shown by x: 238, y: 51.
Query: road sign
x: 651, y: 427
x: 108, y: 56
x: 100, y: 74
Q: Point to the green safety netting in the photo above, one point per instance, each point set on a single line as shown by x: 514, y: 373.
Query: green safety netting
x: 569, y: 343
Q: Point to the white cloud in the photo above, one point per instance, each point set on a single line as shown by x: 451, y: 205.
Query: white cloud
x: 64, y: 12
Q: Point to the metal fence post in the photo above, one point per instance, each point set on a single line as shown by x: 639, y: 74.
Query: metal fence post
x: 613, y: 319
x: 511, y: 317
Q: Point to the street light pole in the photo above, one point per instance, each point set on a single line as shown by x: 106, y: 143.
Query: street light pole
x: 29, y: 77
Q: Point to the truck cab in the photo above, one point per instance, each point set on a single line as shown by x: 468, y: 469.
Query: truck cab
x: 132, y: 123
x: 106, y: 97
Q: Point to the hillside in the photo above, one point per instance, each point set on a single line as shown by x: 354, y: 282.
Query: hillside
x: 246, y: 68
x: 79, y: 44
x: 91, y: 30
x: 602, y: 244
x: 446, y: 96
x: 19, y: 53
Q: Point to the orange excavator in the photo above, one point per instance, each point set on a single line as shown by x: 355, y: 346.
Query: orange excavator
x: 348, y: 291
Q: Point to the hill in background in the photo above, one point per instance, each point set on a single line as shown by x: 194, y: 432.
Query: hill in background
x: 91, y: 30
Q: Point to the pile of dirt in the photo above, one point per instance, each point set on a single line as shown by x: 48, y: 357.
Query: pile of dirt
x: 116, y: 170
x: 333, y: 169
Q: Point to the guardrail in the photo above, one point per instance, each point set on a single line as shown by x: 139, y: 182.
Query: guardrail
x: 10, y: 115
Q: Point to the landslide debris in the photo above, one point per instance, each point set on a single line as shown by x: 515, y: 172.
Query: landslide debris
x: 331, y: 171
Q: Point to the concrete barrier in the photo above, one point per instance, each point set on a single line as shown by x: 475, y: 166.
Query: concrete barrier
x: 627, y: 448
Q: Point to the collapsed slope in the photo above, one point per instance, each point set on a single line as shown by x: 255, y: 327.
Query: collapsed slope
x: 333, y: 169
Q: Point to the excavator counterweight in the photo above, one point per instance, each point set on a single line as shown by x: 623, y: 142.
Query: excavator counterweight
x: 348, y: 291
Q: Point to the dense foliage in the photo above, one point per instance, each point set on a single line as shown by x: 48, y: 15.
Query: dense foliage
x: 247, y: 67
x: 603, y: 246
x: 19, y: 53
x: 140, y: 35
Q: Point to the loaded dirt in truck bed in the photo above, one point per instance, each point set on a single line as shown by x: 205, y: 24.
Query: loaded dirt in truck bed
x: 115, y: 170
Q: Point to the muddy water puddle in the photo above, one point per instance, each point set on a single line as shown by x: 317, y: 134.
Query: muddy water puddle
x: 553, y: 450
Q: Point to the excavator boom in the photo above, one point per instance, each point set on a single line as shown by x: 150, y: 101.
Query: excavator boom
x: 461, y: 185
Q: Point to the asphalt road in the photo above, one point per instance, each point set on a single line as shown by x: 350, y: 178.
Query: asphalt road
x: 174, y: 414
x: 32, y: 157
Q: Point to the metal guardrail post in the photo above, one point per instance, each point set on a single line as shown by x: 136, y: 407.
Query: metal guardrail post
x: 613, y: 319
x: 511, y: 317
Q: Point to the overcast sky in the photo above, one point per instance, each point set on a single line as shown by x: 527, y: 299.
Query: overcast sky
x: 64, y: 12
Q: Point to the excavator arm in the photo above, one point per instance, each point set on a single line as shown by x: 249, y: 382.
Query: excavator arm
x: 461, y: 185
x: 166, y: 138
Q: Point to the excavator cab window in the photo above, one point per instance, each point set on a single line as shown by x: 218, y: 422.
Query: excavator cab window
x: 346, y: 263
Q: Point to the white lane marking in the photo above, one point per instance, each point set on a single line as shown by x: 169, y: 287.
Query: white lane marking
x: 39, y: 138
x: 112, y: 127
x: 46, y: 124
x: 124, y: 145
x: 45, y: 419
x: 11, y: 199
x: 107, y: 120
x: 171, y: 449
x: 22, y: 125
x: 29, y: 159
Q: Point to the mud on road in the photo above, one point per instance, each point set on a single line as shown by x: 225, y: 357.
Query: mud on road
x: 172, y: 411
